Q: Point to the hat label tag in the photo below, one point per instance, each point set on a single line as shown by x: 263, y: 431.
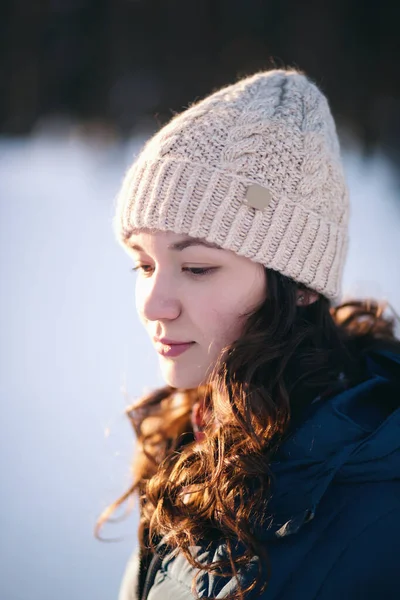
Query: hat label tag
x: 258, y: 197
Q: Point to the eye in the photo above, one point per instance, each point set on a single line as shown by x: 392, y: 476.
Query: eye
x: 195, y: 271
x: 199, y: 271
x: 140, y: 268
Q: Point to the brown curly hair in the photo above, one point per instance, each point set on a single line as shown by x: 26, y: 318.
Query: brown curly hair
x: 285, y: 357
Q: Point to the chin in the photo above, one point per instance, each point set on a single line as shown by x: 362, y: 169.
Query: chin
x: 181, y: 380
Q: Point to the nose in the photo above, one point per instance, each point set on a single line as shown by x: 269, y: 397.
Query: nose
x: 157, y: 299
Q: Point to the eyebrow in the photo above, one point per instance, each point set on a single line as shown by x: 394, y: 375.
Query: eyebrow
x: 179, y: 246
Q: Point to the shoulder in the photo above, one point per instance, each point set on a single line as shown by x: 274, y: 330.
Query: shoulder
x: 368, y: 566
x: 179, y: 580
x: 129, y: 581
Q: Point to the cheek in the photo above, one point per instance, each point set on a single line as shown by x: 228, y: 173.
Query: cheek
x: 139, y: 301
x: 222, y: 323
x: 224, y: 313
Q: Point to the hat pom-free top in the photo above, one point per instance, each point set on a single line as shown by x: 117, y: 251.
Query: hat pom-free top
x: 255, y: 168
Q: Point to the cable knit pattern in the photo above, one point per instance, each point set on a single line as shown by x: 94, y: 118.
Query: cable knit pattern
x: 273, y: 129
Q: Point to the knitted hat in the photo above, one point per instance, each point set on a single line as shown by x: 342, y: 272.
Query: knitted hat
x: 255, y: 168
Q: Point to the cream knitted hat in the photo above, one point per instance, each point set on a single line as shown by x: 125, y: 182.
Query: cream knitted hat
x: 255, y: 168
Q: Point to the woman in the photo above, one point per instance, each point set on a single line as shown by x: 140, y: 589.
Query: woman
x: 269, y: 464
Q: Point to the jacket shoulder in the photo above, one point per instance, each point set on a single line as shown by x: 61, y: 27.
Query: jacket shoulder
x: 128, y: 587
x: 368, y: 566
x: 179, y: 580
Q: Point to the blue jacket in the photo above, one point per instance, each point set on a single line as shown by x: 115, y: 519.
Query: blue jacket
x: 333, y: 527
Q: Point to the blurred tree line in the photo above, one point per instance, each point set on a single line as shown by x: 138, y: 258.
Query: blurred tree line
x: 125, y: 62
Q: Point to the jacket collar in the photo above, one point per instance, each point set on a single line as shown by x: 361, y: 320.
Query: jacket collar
x: 354, y: 436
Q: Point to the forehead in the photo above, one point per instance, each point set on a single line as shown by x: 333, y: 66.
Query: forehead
x: 174, y: 241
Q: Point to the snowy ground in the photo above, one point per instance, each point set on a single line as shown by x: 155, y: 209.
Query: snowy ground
x: 70, y: 341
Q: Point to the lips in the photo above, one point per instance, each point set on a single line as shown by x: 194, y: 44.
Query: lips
x: 169, y: 342
x: 172, y: 350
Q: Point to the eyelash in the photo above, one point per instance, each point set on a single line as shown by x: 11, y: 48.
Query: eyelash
x: 204, y: 271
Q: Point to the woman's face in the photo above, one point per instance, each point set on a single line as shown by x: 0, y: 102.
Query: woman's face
x: 188, y: 292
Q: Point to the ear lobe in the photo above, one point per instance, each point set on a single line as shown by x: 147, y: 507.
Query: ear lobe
x: 313, y: 297
x: 306, y: 297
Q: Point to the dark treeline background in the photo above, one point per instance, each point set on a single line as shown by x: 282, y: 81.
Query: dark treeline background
x: 120, y: 63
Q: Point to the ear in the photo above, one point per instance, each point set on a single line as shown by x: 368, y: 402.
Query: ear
x: 306, y: 297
